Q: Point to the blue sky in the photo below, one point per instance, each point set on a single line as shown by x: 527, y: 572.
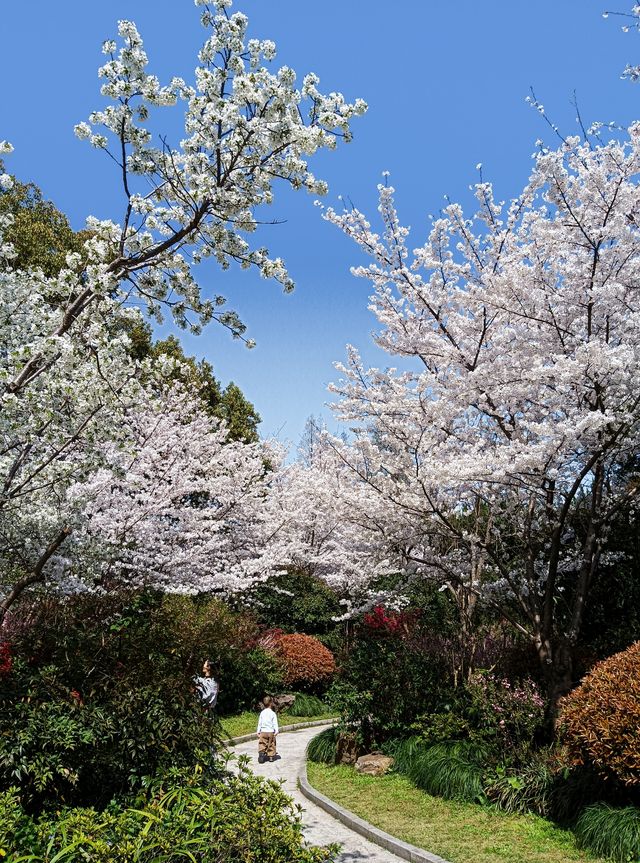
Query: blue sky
x: 446, y: 86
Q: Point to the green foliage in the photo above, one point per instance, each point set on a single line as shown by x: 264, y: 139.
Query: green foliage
x: 609, y: 832
x: 58, y: 749
x: 187, y: 815
x: 354, y: 705
x: 245, y: 677
x: 307, y: 705
x: 40, y: 233
x: 450, y: 770
x: 228, y: 404
x: 101, y: 692
x: 445, y: 725
x: 295, y: 602
x: 322, y: 748
x: 396, y: 663
x: 531, y: 788
x: 507, y: 714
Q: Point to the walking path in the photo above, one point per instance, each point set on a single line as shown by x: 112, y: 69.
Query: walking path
x: 320, y: 828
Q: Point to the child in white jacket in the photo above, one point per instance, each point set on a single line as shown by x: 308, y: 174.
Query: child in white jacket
x: 267, y: 730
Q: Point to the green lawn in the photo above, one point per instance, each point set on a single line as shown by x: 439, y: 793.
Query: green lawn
x: 459, y: 832
x: 245, y: 723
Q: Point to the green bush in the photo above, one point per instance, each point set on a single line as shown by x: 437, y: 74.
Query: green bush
x: 100, y: 692
x: 59, y: 749
x: 322, y: 748
x: 508, y: 715
x: 450, y: 770
x: 307, y: 705
x: 396, y: 665
x: 442, y: 726
x: 295, y: 602
x: 185, y: 816
x: 245, y: 676
x: 609, y: 832
x: 530, y: 788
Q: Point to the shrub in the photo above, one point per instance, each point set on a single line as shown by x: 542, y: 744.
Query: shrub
x: 307, y: 705
x: 450, y: 770
x: 322, y: 748
x: 306, y: 660
x: 295, y: 601
x: 184, y: 816
x: 58, y: 749
x: 609, y: 832
x: 528, y: 789
x: 599, y: 720
x: 396, y: 665
x: 100, y: 693
x: 507, y: 714
x: 443, y: 726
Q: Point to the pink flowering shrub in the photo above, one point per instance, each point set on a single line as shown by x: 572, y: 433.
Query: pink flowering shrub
x: 510, y: 713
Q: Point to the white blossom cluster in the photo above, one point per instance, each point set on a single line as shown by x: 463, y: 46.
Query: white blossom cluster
x: 245, y: 128
x: 105, y: 473
x: 493, y: 463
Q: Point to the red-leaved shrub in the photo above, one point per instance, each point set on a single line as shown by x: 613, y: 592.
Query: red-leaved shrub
x: 6, y: 658
x: 307, y: 661
x: 600, y: 720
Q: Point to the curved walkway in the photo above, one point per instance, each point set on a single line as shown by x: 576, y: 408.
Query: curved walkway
x: 320, y: 828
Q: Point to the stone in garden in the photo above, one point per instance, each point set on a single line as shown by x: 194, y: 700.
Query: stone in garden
x: 280, y: 702
x: 346, y: 749
x: 374, y: 764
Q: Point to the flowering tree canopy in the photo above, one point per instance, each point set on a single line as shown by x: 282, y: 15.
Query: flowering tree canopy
x: 494, y: 464
x: 104, y: 469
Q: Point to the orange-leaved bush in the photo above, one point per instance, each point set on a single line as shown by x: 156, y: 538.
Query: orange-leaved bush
x: 600, y: 719
x: 306, y: 660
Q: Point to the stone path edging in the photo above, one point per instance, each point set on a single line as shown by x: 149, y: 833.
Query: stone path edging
x: 363, y: 828
x: 245, y: 738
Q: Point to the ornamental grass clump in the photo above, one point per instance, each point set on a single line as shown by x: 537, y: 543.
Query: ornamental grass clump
x: 307, y: 705
x: 599, y: 720
x: 609, y: 832
x: 450, y: 770
x: 528, y: 789
x: 322, y: 749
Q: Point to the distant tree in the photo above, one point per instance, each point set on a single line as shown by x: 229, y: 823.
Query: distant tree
x: 39, y: 233
x: 310, y: 442
x: 238, y: 413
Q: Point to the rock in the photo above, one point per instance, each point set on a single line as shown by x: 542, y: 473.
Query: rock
x: 346, y: 749
x: 374, y: 764
x: 280, y: 702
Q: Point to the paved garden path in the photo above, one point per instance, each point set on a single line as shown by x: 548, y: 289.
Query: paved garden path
x: 319, y: 827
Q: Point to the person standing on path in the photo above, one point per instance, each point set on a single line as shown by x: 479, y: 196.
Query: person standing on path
x: 267, y: 731
x: 207, y: 686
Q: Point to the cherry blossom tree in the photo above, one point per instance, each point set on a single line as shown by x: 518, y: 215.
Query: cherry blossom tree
x: 178, y: 508
x: 75, y: 407
x: 245, y: 127
x: 495, y: 460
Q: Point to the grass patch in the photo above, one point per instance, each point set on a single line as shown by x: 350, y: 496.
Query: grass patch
x: 247, y: 722
x: 459, y: 832
x: 610, y: 831
x: 451, y: 770
x: 307, y: 705
x: 322, y: 747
